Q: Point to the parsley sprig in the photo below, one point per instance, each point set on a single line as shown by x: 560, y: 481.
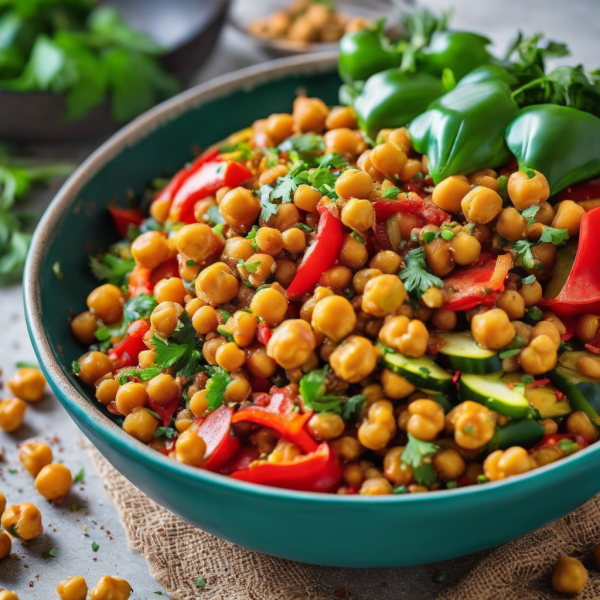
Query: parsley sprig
x: 216, y: 385
x: 413, y: 455
x: 417, y: 279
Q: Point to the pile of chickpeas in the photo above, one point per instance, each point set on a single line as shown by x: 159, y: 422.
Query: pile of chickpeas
x: 306, y: 22
x: 357, y: 303
x: 75, y: 588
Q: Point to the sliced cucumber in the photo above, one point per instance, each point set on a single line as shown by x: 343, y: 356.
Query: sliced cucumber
x: 583, y: 392
x: 542, y: 398
x: 421, y: 372
x: 569, y: 359
x: 493, y: 391
x: 466, y: 355
x: 522, y: 432
x: 441, y: 399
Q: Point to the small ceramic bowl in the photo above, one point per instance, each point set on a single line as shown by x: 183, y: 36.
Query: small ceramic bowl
x: 349, y: 531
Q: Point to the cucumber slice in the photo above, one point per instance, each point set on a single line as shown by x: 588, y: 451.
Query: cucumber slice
x: 523, y: 432
x: 466, y: 355
x: 569, y: 359
x: 583, y: 392
x: 493, y: 391
x: 441, y: 399
x: 547, y: 404
x: 421, y: 372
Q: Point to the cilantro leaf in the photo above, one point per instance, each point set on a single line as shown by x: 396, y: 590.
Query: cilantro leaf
x: 272, y: 156
x: 417, y: 279
x: 308, y: 143
x: 251, y: 267
x: 534, y: 313
x: 529, y: 172
x: 529, y: 213
x: 75, y: 367
x: 268, y: 208
x: 524, y: 254
x: 391, y: 193
x: 216, y: 385
x: 149, y: 373
x: 555, y: 236
x: 50, y: 553
x: 168, y: 354
x: 140, y: 307
x: 352, y: 406
x: 312, y: 390
x: 181, y: 351
x: 111, y: 268
x: 285, y: 188
x: 167, y: 432
x: 529, y: 279
x: 95, y: 547
x: 414, y: 453
x: 80, y: 476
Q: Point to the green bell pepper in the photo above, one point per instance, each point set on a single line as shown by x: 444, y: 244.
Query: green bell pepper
x: 463, y: 131
x: 393, y: 99
x: 460, y: 51
x: 365, y: 53
x: 488, y: 73
x: 561, y: 142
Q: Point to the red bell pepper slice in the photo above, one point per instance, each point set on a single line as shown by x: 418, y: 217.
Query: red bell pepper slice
x: 206, y: 181
x: 279, y: 401
x: 478, y: 283
x: 142, y: 280
x: 242, y: 460
x: 290, y: 424
x: 581, y: 292
x: 169, y: 191
x: 166, y: 270
x: 581, y: 192
x: 319, y: 257
x: 164, y: 411
x: 126, y: 353
x: 319, y: 471
x: 124, y: 217
x: 220, y: 444
x: 264, y: 333
x: 553, y: 439
x: 430, y: 213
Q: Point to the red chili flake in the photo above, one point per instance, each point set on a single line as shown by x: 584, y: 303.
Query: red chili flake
x: 559, y: 395
x: 31, y: 584
x: 137, y: 380
x: 540, y: 382
x: 511, y: 385
x: 456, y: 377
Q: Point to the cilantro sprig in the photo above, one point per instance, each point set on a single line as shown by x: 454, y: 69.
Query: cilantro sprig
x: 413, y: 455
x: 181, y: 351
x: 216, y: 385
x: 111, y: 268
x: 415, y: 276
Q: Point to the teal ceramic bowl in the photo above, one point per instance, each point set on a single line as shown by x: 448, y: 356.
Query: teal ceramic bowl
x: 349, y: 531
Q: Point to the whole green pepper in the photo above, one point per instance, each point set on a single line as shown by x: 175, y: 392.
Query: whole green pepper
x: 460, y: 51
x: 488, y: 73
x: 463, y: 131
x: 365, y: 53
x: 561, y: 142
x: 393, y: 99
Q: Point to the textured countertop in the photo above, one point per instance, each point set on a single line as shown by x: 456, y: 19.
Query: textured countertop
x: 87, y: 516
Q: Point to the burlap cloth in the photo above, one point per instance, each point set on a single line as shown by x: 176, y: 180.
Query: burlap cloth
x: 176, y: 551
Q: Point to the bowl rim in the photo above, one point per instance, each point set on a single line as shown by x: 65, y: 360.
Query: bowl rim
x: 121, y: 442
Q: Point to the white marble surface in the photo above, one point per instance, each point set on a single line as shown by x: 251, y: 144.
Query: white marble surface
x: 574, y: 21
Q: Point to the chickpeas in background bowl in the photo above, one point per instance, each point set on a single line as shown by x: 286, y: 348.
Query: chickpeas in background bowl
x: 390, y: 530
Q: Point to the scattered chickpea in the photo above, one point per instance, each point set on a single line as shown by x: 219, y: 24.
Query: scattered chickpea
x: 35, y: 455
x: 569, y: 576
x: 5, y: 544
x: 110, y: 588
x: 492, y: 329
x: 24, y: 521
x: 54, y: 482
x: 72, y: 588
x: 12, y: 414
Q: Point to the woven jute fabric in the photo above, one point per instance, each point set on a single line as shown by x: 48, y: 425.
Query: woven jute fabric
x: 177, y: 553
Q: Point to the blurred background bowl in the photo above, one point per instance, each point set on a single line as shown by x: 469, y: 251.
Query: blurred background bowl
x: 187, y: 29
x: 244, y: 12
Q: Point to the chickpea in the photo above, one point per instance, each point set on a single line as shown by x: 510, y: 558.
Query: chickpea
x: 165, y: 317
x: 525, y: 192
x: 473, y: 425
x: 443, y: 319
x: 579, y: 423
x: 511, y: 224
x: 358, y: 214
x: 2, y: 503
x: 506, y: 463
x: 238, y: 390
x: 433, y: 298
x: 395, y: 386
x: 547, y: 455
x: 465, y: 248
x: 439, y: 257
x: 140, y: 424
x: 388, y: 159
x: 6, y: 595
x: 5, y: 545
x: 376, y: 486
x: 307, y: 198
x: 353, y: 475
x: 481, y: 205
x: 587, y: 327
x: 353, y: 253
x: 539, y: 356
x: 394, y: 469
x: 27, y: 384
x: 12, y: 413
x: 236, y: 248
x: 589, y: 366
x: 190, y: 448
x: 310, y: 114
x: 199, y: 403
x: 568, y: 217
x: 383, y: 295
x: 210, y: 347
x: 205, y: 320
x: 54, y: 482
x: 262, y: 269
x: 387, y: 262
x: 130, y: 396
x: 216, y: 284
x: 354, y: 184
x: 486, y: 178
x: 448, y: 464
x: 549, y: 329
x: 84, y: 326
x: 325, y: 426
x: 448, y: 194
x: 291, y: 343
x: 258, y: 363
x: 294, y: 240
x: 286, y: 217
x: 24, y: 521
x: 279, y: 126
x: 375, y: 436
x: 150, y: 249
x: 170, y: 290
x: 163, y: 389
x: 492, y: 329
x: 72, y: 588
x: 270, y: 240
x: 230, y: 357
x: 354, y: 360
x: 347, y: 448
x: 106, y: 302
x: 285, y: 271
x: 334, y: 317
x: 531, y: 293
x: 270, y: 305
x: 110, y: 588
x: 344, y: 141
x: 242, y: 326
x: 285, y: 452
x: 426, y: 420
x: 240, y: 208
x: 405, y: 336
x: 337, y: 278
x: 569, y: 576
x: 512, y: 303
x: 35, y: 455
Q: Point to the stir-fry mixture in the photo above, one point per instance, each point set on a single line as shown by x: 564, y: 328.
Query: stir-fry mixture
x: 397, y: 295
